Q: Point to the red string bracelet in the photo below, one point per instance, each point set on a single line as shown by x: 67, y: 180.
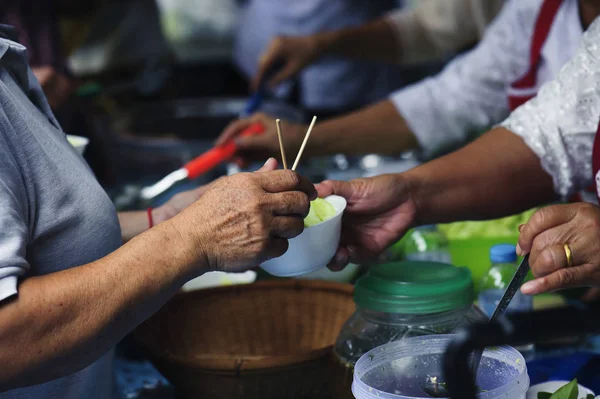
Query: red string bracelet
x: 150, y: 220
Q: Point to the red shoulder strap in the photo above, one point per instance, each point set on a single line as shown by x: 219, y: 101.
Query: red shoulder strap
x: 542, y: 28
x: 596, y: 153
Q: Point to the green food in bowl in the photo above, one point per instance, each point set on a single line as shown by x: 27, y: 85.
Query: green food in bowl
x: 320, y: 211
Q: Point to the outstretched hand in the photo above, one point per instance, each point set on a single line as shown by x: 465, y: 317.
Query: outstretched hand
x: 380, y: 210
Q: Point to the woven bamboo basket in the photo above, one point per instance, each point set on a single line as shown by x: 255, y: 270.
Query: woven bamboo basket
x: 266, y: 340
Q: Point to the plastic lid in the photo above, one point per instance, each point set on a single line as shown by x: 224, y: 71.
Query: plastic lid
x: 427, y: 227
x: 503, y: 253
x: 414, y: 288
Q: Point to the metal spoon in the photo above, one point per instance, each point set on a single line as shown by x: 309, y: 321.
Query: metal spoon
x: 432, y: 385
x: 511, y: 290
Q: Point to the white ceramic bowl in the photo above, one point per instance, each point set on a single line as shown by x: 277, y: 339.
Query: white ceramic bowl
x: 78, y: 142
x: 554, y: 386
x: 313, y: 249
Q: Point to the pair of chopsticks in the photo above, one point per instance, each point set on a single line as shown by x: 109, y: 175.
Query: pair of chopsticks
x: 283, y: 158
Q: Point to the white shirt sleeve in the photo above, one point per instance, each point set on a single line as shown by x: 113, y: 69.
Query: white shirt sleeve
x: 13, y: 223
x: 433, y: 29
x: 469, y: 95
x: 560, y: 124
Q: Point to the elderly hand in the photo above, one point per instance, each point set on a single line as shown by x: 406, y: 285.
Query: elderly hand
x: 264, y: 145
x: 295, y: 53
x: 179, y: 202
x: 379, y: 212
x: 245, y: 219
x: 544, y: 238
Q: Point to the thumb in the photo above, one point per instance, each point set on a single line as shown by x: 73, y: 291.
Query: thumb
x: 334, y: 187
x: 269, y: 166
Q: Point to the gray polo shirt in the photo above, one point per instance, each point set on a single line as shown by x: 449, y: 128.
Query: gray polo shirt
x: 53, y: 213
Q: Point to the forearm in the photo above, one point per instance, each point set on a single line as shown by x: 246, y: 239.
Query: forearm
x: 136, y: 222
x: 375, y: 40
x: 496, y: 175
x: 377, y: 129
x: 62, y: 322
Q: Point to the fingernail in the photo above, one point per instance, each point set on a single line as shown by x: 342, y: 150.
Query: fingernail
x: 519, y: 250
x: 521, y: 227
x: 530, y: 287
x: 268, y: 161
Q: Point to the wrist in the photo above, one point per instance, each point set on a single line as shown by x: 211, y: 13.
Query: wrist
x: 160, y: 215
x: 413, y: 184
x: 185, y: 248
x: 324, y: 42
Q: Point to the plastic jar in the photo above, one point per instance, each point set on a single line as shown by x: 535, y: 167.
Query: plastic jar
x: 400, y: 300
x: 397, y: 370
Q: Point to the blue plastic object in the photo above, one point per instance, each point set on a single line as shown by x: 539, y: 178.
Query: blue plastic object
x: 257, y: 98
x: 503, y: 253
x: 581, y: 365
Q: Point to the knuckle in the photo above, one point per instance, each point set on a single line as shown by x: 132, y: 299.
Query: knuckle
x: 292, y: 178
x: 547, y: 260
x: 586, y: 208
x: 538, y: 218
x: 304, y: 203
x: 566, y: 277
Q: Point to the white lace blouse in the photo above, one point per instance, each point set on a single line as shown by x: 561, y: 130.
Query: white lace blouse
x: 560, y: 124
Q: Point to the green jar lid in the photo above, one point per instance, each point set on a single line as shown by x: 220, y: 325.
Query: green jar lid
x: 414, y: 288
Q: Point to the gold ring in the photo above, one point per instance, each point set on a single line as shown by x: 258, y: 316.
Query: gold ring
x: 569, y: 254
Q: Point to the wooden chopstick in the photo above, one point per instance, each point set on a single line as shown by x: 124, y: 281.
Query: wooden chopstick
x: 310, y: 128
x: 283, y: 158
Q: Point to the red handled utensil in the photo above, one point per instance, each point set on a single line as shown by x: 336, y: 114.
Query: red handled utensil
x: 200, y: 165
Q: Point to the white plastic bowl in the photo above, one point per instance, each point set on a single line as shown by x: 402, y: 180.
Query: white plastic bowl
x: 78, y: 142
x: 219, y: 279
x: 313, y: 249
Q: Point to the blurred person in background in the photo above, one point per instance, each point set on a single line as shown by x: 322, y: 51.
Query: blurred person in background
x: 332, y: 84
x: 524, y: 47
x: 430, y: 31
x: 547, y: 149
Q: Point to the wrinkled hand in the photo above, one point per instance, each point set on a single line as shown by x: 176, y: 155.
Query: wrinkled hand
x: 245, y: 219
x: 265, y: 145
x: 179, y: 202
x: 379, y: 212
x: 294, y: 53
x: 57, y: 87
x: 544, y: 236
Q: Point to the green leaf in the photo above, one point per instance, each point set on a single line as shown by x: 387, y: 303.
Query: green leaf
x: 569, y: 391
x: 590, y: 396
x: 544, y: 395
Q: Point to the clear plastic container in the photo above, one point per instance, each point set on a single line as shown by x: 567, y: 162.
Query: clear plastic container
x: 400, y: 369
x: 368, y: 329
x: 400, y: 300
